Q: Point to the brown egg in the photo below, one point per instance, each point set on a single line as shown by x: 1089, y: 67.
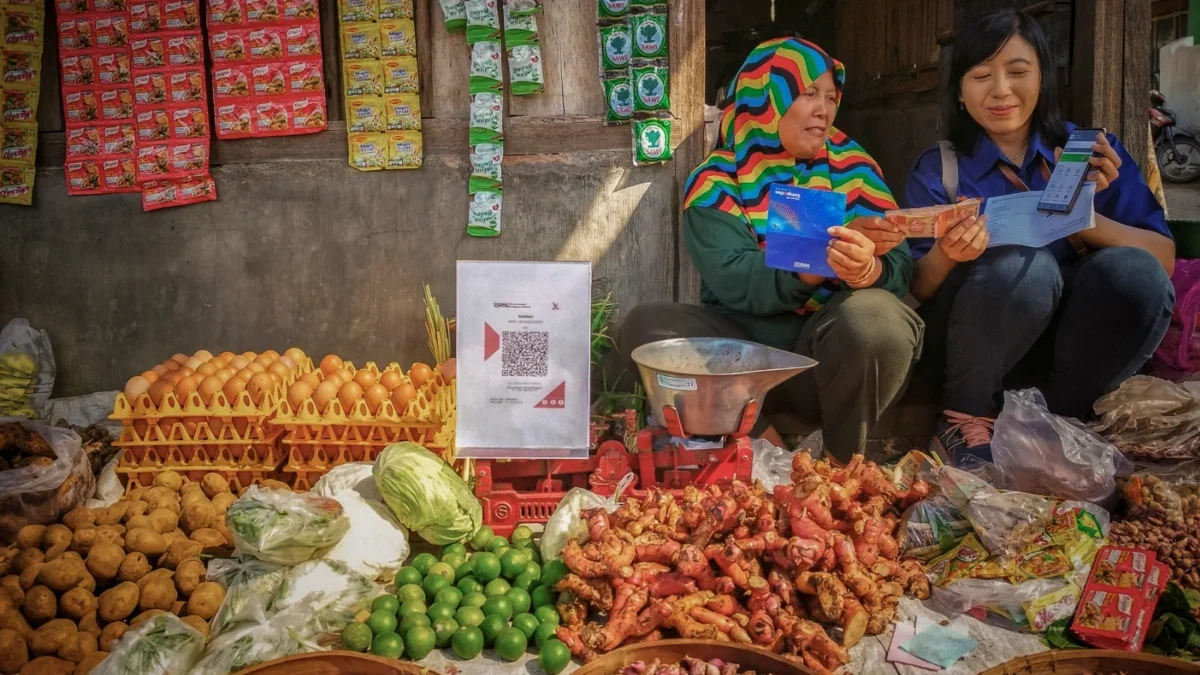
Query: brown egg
x: 203, y: 355
x: 180, y: 358
x: 272, y: 353
x: 249, y: 356
x: 159, y: 370
x: 390, y: 379
x: 280, y: 369
x: 402, y: 395
x: 331, y: 363
x: 185, y: 371
x: 296, y: 354
x: 233, y: 388
x: 150, y: 376
x: 158, y: 390
x: 323, y: 394
x: 172, y: 365
x: 185, y: 387
x: 313, y: 379
x: 297, y: 393
x: 172, y: 378
x: 209, y: 386
x: 275, y: 378
x: 257, y: 367
x: 264, y: 360
x: 375, y: 395
x: 349, y: 395
x: 194, y: 363
x: 208, y: 368
x: 419, y: 374
x: 259, y: 386
x: 338, y: 377
x: 238, y: 362
x: 287, y: 361
x: 226, y: 357
x: 364, y: 378
x: 225, y: 374
x: 136, y: 386
x: 449, y: 369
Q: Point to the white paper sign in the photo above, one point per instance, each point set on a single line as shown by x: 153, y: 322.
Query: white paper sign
x: 1013, y: 220
x: 524, y: 359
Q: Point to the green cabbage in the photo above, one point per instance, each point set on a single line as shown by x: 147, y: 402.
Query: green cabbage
x: 426, y: 495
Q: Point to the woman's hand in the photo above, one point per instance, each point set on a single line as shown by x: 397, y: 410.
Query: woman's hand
x: 1107, y: 165
x: 885, y: 234
x: 967, y: 240
x: 851, y: 254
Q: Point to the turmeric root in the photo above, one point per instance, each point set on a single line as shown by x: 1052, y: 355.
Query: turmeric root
x: 853, y: 622
x: 574, y: 642
x: 724, y: 624
x: 663, y: 551
x: 723, y: 604
x: 572, y: 610
x: 580, y: 564
x: 827, y: 589
x: 915, y: 581
x: 598, y: 592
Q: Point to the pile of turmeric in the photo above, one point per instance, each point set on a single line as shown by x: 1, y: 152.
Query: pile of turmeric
x: 745, y: 565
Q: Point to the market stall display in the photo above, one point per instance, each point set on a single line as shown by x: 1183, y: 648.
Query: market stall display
x: 27, y: 370
x: 635, y: 74
x: 486, y: 135
x: 44, y: 473
x: 22, y: 24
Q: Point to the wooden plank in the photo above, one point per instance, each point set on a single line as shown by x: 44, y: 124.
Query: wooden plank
x: 445, y: 78
x: 687, y: 107
x: 1136, y: 80
x: 1098, y: 62
x: 557, y: 44
x: 427, y: 24
x: 331, y: 59
x: 50, y: 113
x: 581, y: 89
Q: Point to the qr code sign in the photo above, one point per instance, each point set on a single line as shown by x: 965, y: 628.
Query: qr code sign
x: 524, y: 353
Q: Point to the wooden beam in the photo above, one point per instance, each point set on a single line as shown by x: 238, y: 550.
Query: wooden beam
x: 1099, y: 63
x: 1136, y: 80
x: 687, y: 108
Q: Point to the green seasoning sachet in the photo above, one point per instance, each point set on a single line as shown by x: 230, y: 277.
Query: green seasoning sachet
x: 519, y: 29
x: 521, y: 8
x: 651, y: 86
x: 652, y: 4
x: 487, y: 118
x: 612, y: 9
x: 619, y: 96
x: 483, y: 21
x: 455, y: 13
x: 483, y: 213
x: 649, y: 34
x: 486, y: 166
x: 525, y: 75
x: 486, y: 67
x: 651, y: 141
x: 616, y: 47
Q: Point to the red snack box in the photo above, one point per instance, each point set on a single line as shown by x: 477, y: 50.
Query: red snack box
x: 181, y: 14
x: 187, y: 86
x: 83, y: 142
x: 1118, y: 600
x: 932, y: 221
x: 149, y: 52
x: 161, y: 194
x: 112, y: 31
x: 116, y: 104
x: 232, y: 82
x: 225, y: 12
x: 84, y: 177
x: 69, y: 7
x: 1120, y: 568
x: 150, y: 88
x: 115, y: 67
x: 185, y: 50
x: 228, y: 45
x: 262, y: 11
x: 189, y: 122
x: 75, y: 34
x: 120, y: 174
x: 309, y: 114
x: 269, y: 79
x: 306, y: 76
x: 104, y: 6
x: 235, y: 120
x: 304, y: 40
x: 145, y: 16
x: 272, y: 118
x: 81, y: 106
x: 118, y: 139
x: 153, y: 125
x: 266, y: 43
x: 78, y: 70
x: 299, y: 9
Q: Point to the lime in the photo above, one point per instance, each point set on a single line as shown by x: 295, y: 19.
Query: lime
x: 469, y: 585
x: 412, y: 607
x: 486, y: 566
x: 554, y: 656
x: 545, y: 631
x: 498, y: 605
x: 519, y: 600
x: 554, y: 571
x: 382, y: 621
x: 454, y: 561
x: 522, y: 533
x: 411, y: 621
x: 534, y: 570
x: 410, y: 593
x: 524, y: 581
x: 534, y: 556
x: 432, y: 584
x: 469, y: 616
x: 496, y: 587
x: 491, y: 627
x: 443, y: 569
x: 423, y: 562
x: 467, y: 642
x: 438, y: 611
x: 542, y: 596
x: 444, y: 628
x: 496, y: 543
x: 456, y: 549
x: 388, y: 645
x: 501, y: 550
x: 511, y: 644
x: 464, y: 570
x: 546, y: 614
x: 449, y: 596
x: 419, y: 641
x: 389, y: 602
x: 513, y: 562
x: 475, y: 599
x: 482, y: 538
x: 357, y: 637
x: 526, y: 623
x: 408, y: 575
x: 523, y: 545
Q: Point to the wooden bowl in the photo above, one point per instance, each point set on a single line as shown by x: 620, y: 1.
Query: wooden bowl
x: 672, y: 651
x: 1099, y: 661
x: 337, y: 663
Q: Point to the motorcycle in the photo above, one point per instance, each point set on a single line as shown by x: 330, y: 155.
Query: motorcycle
x: 1177, y: 150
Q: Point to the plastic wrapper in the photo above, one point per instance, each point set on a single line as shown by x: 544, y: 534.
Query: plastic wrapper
x: 250, y: 584
x: 163, y: 645
x: 1171, y: 492
x: 284, y: 527
x: 931, y: 527
x: 999, y: 597
x: 27, y: 370
x: 108, y: 487
x: 772, y: 466
x: 39, y: 492
x: 376, y: 545
x: 1151, y: 418
x: 566, y: 523
x: 257, y: 641
x: 1008, y: 521
x: 353, y: 477
x: 328, y: 593
x: 1042, y: 453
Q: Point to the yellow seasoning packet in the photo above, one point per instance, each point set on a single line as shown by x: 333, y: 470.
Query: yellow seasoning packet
x: 363, y: 77
x: 364, y: 114
x: 18, y: 105
x: 400, y: 75
x: 16, y: 184
x: 360, y: 41
x: 1053, y: 606
x: 1046, y: 563
x: 368, y: 152
x: 403, y: 112
x: 405, y: 150
x: 20, y: 70
x: 395, y: 9
x: 958, y: 561
x: 18, y: 143
x: 355, y: 11
x: 397, y: 37
x: 22, y: 28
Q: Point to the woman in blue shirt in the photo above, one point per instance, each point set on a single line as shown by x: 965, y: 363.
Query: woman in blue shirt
x: 1074, y: 318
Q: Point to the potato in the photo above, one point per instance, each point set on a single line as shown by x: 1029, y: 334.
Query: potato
x: 139, y: 523
x: 48, y: 665
x: 178, y: 552
x: 11, y: 586
x: 40, y: 605
x: 62, y: 574
x: 118, y: 602
x: 7, y: 601
x: 221, y: 503
x: 31, y: 536
x: 15, y: 621
x: 111, y: 515
x: 146, y: 541
x: 83, y: 540
x: 197, y: 623
x: 197, y: 516
x: 158, y: 593
x: 214, y: 484
x: 90, y: 623
x: 144, y: 617
x: 7, y: 555
x: 79, y: 518
x: 55, y: 552
x: 133, y: 509
x: 112, y: 634
x: 77, y: 603
x: 174, y: 536
x: 163, y: 520
x: 30, y: 576
x: 275, y: 485
x: 47, y: 639
x: 26, y: 558
x: 14, y: 653
x: 206, y: 600
x: 170, y: 480
x: 89, y: 662
x: 208, y: 537
x: 113, y: 534
x: 158, y: 492
x: 137, y: 494
x: 77, y: 647
x: 133, y: 567
x: 225, y: 533
x: 190, y: 487
x: 104, y: 560
x: 188, y: 576
x: 164, y: 504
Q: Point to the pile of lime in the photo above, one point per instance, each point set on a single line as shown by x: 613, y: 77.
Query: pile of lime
x: 499, y: 596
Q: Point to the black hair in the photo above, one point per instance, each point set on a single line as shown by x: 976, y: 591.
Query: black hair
x: 980, y: 41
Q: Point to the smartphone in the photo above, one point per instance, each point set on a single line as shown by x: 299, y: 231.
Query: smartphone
x: 1070, y: 172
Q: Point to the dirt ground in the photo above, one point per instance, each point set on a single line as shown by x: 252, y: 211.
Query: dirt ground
x: 1183, y: 201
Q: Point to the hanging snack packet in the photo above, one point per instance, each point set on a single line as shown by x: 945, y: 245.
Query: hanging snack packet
x: 612, y: 9
x: 486, y: 166
x: 16, y: 184
x: 354, y: 11
x: 363, y: 78
x: 403, y: 112
x: 487, y: 118
x: 649, y: 34
x: 368, y: 152
x: 404, y: 150
x: 619, y: 97
x: 364, y: 114
x: 398, y: 37
x: 400, y: 75
x: 525, y: 70
x: 360, y: 41
x: 634, y: 5
x: 652, y: 140
x: 521, y: 8
x: 483, y: 213
x: 18, y: 143
x: 616, y: 47
x: 454, y: 13
x: 651, y: 86
x: 395, y: 9
x: 519, y: 28
x: 486, y: 74
x: 483, y: 21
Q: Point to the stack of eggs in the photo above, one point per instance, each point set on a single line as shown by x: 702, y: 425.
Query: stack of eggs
x: 337, y: 379
x: 228, y: 373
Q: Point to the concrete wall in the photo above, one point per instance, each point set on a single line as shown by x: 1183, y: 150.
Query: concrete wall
x: 1179, y: 73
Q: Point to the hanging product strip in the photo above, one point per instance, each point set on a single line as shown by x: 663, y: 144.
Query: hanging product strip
x: 22, y: 25
x: 486, y: 135
x: 635, y: 73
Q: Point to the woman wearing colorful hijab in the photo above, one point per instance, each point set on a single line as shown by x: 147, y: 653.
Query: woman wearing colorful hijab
x: 779, y: 130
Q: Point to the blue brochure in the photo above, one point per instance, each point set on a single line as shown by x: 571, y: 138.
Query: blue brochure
x: 798, y: 220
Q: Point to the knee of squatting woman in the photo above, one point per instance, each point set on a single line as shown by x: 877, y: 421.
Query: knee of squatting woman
x: 779, y: 130
x: 1074, y: 318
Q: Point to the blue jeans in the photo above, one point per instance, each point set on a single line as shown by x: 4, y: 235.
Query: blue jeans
x: 1017, y: 317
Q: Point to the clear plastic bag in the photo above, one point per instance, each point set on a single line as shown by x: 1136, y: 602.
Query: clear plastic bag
x: 1170, y: 492
x: 26, y: 370
x: 1151, y: 418
x: 250, y: 584
x: 356, y: 476
x: 328, y: 593
x: 284, y: 527
x: 998, y: 597
x: 39, y: 493
x: 376, y: 545
x: 772, y: 466
x: 566, y: 524
x: 164, y: 645
x: 256, y: 641
x: 931, y: 527
x: 1008, y: 521
x: 1042, y: 453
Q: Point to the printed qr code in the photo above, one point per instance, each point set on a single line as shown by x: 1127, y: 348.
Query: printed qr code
x: 523, y: 353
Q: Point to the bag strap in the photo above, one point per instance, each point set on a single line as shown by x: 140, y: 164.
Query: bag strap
x: 949, y: 170
x: 1076, y: 242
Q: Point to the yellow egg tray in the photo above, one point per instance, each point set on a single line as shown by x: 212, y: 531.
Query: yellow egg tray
x: 266, y: 453
x: 239, y: 478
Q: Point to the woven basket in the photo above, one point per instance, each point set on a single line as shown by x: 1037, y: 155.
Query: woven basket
x: 337, y: 663
x: 671, y: 651
x: 1093, y: 662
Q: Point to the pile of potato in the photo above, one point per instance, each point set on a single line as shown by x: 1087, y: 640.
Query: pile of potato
x: 69, y: 591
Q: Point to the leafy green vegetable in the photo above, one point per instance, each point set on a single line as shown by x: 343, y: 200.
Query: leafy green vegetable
x: 1175, y: 631
x: 1058, y: 636
x: 426, y: 495
x: 164, y: 645
x: 284, y: 527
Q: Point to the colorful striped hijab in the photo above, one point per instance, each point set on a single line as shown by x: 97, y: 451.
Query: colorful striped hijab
x: 736, y: 178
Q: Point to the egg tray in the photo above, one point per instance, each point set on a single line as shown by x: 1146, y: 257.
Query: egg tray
x: 239, y: 478
x: 267, y: 453
x: 424, y: 417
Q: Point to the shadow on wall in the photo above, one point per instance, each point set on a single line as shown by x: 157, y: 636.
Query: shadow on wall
x: 1179, y: 71
x: 895, y: 137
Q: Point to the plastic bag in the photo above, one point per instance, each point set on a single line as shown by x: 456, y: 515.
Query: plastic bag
x: 998, y: 597
x: 931, y: 527
x: 108, y: 487
x: 250, y: 587
x: 26, y: 370
x: 356, y: 476
x: 566, y: 524
x: 1039, y: 452
x: 284, y: 527
x: 1151, y: 418
x: 772, y: 466
x: 1170, y: 492
x: 327, y: 591
x: 38, y: 493
x: 376, y: 544
x: 1008, y: 521
x: 258, y: 640
x: 164, y: 645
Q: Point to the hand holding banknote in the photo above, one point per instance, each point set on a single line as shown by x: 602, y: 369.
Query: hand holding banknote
x: 966, y: 240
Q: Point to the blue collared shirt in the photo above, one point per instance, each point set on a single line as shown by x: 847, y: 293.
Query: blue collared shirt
x: 1128, y: 200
